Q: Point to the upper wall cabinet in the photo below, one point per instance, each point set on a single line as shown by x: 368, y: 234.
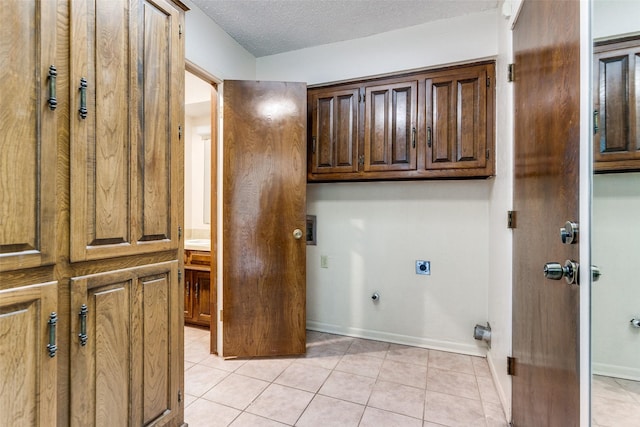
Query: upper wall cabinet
x: 125, y: 124
x: 616, y: 114
x: 423, y: 125
x: 28, y: 123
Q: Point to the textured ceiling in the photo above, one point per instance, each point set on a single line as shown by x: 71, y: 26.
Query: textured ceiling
x: 267, y: 27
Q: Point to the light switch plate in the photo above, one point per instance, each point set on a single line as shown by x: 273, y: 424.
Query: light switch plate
x: 423, y: 267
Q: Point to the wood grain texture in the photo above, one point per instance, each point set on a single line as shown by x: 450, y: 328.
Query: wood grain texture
x: 28, y: 386
x: 455, y: 103
x: 264, y: 194
x: 547, y: 146
x: 617, y: 103
x: 27, y: 164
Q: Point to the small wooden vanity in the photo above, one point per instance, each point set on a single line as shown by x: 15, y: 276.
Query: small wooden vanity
x: 197, y: 287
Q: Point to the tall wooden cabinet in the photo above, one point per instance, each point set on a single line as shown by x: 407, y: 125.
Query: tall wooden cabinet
x: 616, y: 114
x: 90, y: 184
x: 421, y: 125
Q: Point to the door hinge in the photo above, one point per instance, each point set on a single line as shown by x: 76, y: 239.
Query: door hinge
x: 511, y: 69
x: 220, y: 316
x: 511, y: 365
x: 488, y: 81
x: 511, y: 219
x: 179, y: 131
x: 179, y: 396
x: 180, y: 31
x: 179, y: 276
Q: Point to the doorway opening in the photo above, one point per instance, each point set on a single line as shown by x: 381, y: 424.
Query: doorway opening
x: 200, y: 201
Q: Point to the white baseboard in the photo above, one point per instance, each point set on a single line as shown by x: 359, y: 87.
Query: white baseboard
x: 616, y: 371
x: 455, y: 347
x: 504, y: 399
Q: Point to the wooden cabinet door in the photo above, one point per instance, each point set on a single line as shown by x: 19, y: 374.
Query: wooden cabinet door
x: 127, y: 74
x: 28, y: 372
x: 390, y: 121
x: 188, y: 295
x: 202, y: 281
x: 28, y: 144
x: 264, y: 203
x: 617, y: 106
x: 456, y: 119
x: 334, y: 130
x: 126, y: 372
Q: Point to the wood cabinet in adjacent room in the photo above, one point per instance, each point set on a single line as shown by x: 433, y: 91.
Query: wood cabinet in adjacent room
x: 616, y: 115
x: 91, y: 179
x: 197, y: 288
x: 421, y: 125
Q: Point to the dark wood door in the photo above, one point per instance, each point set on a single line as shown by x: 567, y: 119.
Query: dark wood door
x: 545, y: 312
x: 264, y: 196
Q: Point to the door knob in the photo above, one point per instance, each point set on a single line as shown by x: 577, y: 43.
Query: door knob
x: 595, y: 273
x: 555, y: 271
x: 297, y: 234
x: 569, y: 233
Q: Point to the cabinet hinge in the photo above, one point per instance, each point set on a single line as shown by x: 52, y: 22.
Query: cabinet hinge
x: 511, y: 219
x: 313, y: 145
x: 361, y: 160
x: 361, y: 98
x: 488, y: 81
x: 179, y: 276
x: 511, y: 69
x: 511, y: 365
x: 179, y: 396
x: 179, y: 131
x: 179, y: 232
x: 488, y: 154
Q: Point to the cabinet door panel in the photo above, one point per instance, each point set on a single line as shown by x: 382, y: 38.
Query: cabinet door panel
x: 28, y: 386
x: 617, y: 106
x: 334, y: 127
x: 27, y: 164
x: 128, y: 372
x: 203, y: 284
x: 390, y: 121
x: 124, y: 156
x: 457, y: 131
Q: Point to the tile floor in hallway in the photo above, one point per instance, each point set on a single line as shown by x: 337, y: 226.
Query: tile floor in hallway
x: 615, y: 402
x: 341, y: 381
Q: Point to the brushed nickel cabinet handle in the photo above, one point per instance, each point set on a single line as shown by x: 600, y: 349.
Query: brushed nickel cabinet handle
x: 53, y: 101
x: 83, y: 98
x: 84, y: 310
x: 52, y: 347
x: 429, y: 136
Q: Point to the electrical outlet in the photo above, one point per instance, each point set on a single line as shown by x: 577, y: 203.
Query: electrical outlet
x: 324, y: 261
x: 423, y: 267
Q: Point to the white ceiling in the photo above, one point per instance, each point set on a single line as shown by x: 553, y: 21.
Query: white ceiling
x: 267, y: 27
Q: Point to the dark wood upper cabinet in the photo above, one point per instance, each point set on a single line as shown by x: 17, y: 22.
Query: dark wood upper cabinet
x: 390, y: 122
x: 421, y: 125
x: 456, y: 119
x: 616, y: 105
x: 334, y: 130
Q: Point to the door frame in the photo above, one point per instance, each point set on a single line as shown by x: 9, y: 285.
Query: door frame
x: 216, y: 85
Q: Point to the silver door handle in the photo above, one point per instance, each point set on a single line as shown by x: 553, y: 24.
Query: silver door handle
x: 555, y: 271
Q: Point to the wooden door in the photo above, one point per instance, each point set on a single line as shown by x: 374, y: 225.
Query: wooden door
x: 334, y: 130
x: 616, y: 85
x: 547, y: 137
x: 390, y: 121
x: 457, y: 103
x: 264, y: 195
x: 28, y: 365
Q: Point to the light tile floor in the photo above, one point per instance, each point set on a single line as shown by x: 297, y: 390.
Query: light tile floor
x: 615, y: 402
x: 342, y: 382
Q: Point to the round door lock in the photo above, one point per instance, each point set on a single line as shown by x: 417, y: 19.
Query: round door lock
x: 555, y: 271
x: 569, y: 233
x: 297, y: 234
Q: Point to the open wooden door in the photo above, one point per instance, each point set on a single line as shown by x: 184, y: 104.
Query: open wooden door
x: 264, y: 205
x: 546, y: 46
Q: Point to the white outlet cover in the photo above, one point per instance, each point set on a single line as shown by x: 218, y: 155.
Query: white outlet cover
x: 423, y: 267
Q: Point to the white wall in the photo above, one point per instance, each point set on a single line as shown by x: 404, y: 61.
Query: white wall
x: 611, y: 17
x: 441, y: 42
x: 210, y: 48
x: 374, y: 232
x: 616, y: 296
